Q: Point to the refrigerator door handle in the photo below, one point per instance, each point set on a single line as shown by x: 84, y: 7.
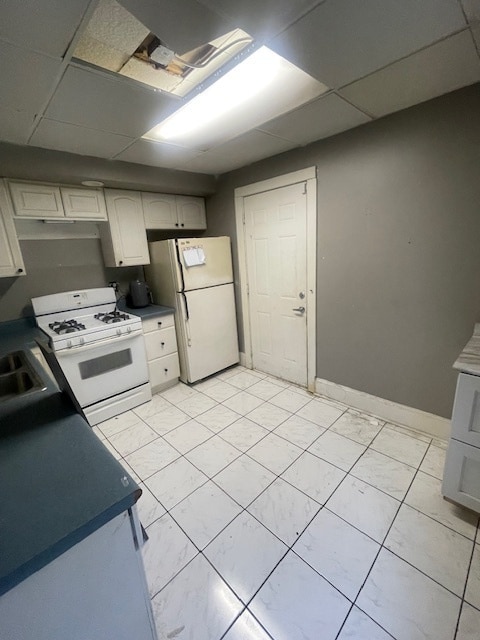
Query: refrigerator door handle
x: 180, y: 268
x: 187, y: 318
x: 186, y: 305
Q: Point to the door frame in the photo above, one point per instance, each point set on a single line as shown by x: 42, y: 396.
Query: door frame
x: 309, y: 176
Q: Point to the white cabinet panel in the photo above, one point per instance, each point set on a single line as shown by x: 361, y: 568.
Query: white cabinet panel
x: 11, y: 261
x: 160, y: 343
x: 161, y: 348
x: 466, y: 410
x: 191, y: 212
x: 124, y: 239
x: 88, y: 204
x: 36, y: 200
x: 159, y: 210
x: 164, y: 372
x: 159, y: 322
x: 461, y: 479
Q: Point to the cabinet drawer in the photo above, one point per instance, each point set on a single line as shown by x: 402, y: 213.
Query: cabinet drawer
x: 461, y: 477
x: 466, y: 410
x: 160, y: 343
x: 163, y: 370
x: 158, y: 322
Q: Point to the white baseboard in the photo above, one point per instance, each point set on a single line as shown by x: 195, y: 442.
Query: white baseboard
x: 242, y: 358
x: 428, y: 423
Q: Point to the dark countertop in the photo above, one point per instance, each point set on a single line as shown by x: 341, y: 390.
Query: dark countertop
x: 151, y: 311
x: 58, y: 482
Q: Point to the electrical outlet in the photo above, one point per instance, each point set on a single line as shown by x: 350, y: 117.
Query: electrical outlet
x: 114, y: 286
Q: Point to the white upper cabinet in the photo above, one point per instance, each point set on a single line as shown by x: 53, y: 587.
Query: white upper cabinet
x: 11, y: 261
x: 165, y: 211
x: 53, y: 202
x: 124, y: 239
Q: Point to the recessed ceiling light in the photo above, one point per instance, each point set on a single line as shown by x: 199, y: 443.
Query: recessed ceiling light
x: 260, y: 88
x: 93, y: 183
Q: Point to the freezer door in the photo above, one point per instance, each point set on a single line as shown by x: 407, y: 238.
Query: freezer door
x: 204, y: 262
x: 207, y: 330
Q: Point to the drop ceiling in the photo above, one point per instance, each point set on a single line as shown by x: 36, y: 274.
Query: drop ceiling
x: 375, y: 56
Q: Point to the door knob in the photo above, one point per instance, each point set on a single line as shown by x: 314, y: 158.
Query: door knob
x: 299, y: 309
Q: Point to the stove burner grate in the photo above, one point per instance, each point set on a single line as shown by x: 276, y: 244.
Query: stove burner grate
x: 112, y: 316
x: 66, y: 326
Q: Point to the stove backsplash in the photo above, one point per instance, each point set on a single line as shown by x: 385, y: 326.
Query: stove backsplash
x: 54, y: 266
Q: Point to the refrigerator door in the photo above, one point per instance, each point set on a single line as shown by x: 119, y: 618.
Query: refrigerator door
x: 207, y: 331
x: 203, y: 262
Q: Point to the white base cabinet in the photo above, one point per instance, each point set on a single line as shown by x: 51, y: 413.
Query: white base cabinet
x: 11, y: 261
x: 461, y: 478
x: 161, y: 348
x: 95, y: 590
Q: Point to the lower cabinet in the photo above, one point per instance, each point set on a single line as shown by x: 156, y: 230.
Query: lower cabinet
x: 95, y: 590
x: 11, y: 261
x: 161, y: 347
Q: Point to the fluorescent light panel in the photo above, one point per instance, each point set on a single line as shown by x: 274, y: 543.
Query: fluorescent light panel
x: 260, y: 88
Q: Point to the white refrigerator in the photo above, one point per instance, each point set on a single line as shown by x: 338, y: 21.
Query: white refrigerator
x: 195, y: 276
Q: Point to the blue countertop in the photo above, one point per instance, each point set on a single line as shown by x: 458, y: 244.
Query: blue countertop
x: 58, y: 482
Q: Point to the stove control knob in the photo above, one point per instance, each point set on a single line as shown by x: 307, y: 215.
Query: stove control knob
x: 129, y: 329
x: 82, y: 340
x: 69, y: 344
x: 119, y: 332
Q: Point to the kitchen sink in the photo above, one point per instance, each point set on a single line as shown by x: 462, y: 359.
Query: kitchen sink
x: 18, y: 376
x: 11, y: 362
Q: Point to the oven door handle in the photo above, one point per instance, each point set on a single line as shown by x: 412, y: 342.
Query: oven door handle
x: 99, y: 343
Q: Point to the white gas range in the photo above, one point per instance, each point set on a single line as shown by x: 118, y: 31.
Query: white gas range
x: 100, y: 350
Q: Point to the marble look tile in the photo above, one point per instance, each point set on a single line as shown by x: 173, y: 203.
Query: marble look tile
x: 244, y: 480
x: 118, y: 423
x: 243, y: 402
x: 315, y: 477
x: 129, y: 470
x: 296, y: 603
x: 299, y: 431
x: 178, y: 393
x: 440, y: 443
x: 441, y: 553
x: 151, y: 458
x: 221, y: 391
x: 290, y: 400
x: 217, y: 418
x: 212, y: 456
x: 246, y: 627
x: 407, y: 603
x: 208, y: 383
x: 132, y: 438
x: 111, y: 449
x: 268, y: 415
x: 228, y: 373
x: 472, y: 594
x: 195, y: 605
x: 150, y: 408
x: 165, y: 553
x: 175, y: 482
x: 166, y: 419
x: 340, y: 451
x: 365, y: 507
x: 243, y: 434
x: 400, y: 446
x: 243, y: 380
x: 149, y: 508
x: 278, y: 381
x: 385, y: 473
x: 469, y: 623
x: 339, y: 552
x: 196, y: 405
x: 359, y: 626
x: 188, y: 436
x: 264, y: 389
x: 320, y: 412
x: 434, y: 462
x: 425, y: 495
x: 411, y: 433
x: 357, y: 426
x: 98, y: 433
x: 275, y: 453
x: 205, y: 513
x: 244, y: 554
x: 284, y: 510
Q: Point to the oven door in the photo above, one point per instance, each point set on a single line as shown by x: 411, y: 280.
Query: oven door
x: 103, y: 369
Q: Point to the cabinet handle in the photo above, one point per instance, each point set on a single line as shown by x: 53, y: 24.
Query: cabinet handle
x: 162, y: 344
x: 159, y: 324
x: 120, y: 262
x: 182, y: 225
x: 166, y: 370
x: 176, y: 224
x: 19, y: 270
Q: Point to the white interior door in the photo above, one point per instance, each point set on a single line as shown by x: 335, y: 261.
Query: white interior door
x: 276, y: 252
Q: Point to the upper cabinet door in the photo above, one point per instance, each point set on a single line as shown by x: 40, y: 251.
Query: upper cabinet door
x: 160, y: 211
x: 36, y: 200
x: 191, y: 212
x: 11, y: 262
x: 124, y: 238
x: 88, y: 204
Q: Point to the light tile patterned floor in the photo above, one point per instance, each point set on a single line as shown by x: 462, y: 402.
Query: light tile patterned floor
x: 273, y: 514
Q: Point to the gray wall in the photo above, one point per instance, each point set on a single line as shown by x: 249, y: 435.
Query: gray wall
x: 398, y: 270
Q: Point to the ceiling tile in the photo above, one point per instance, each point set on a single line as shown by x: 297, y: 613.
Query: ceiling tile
x: 443, y: 67
x: 324, y: 117
x: 182, y: 25
x: 15, y: 125
x: 248, y: 148
x: 26, y: 78
x: 157, y: 154
x: 42, y: 25
x: 86, y: 142
x: 472, y: 10
x: 476, y: 35
x: 343, y: 40
x: 98, y: 101
x: 261, y: 18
